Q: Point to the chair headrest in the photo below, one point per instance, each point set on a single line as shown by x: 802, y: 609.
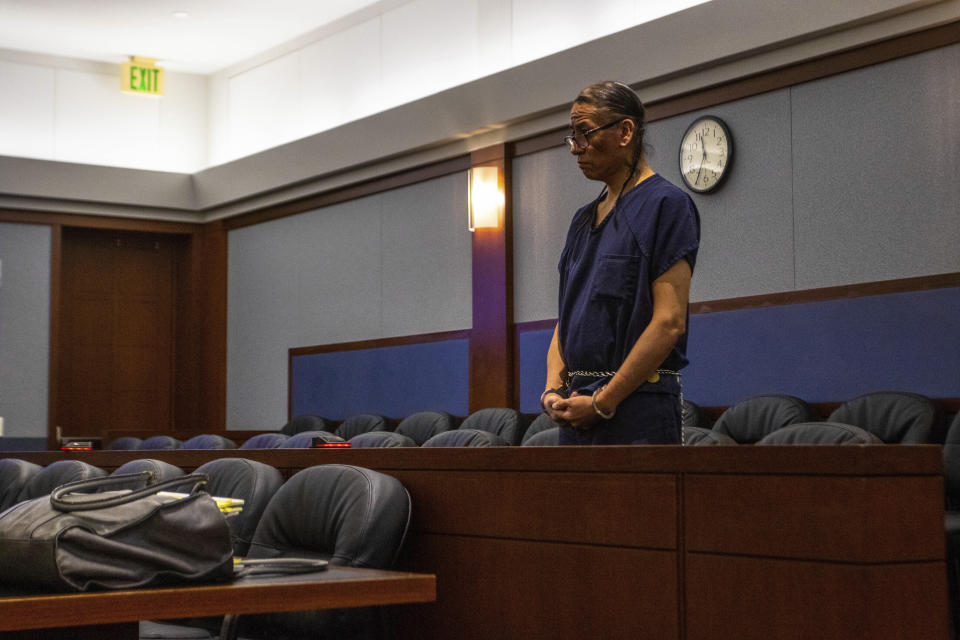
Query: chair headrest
x: 361, y: 423
x: 751, y: 419
x: 349, y: 515
x: 209, y: 441
x: 304, y: 439
x: 14, y: 475
x: 307, y: 423
x: 254, y: 482
x: 265, y: 441
x: 161, y: 470
x: 55, y: 474
x: 154, y: 443
x: 893, y: 416
x: 124, y: 443
x: 505, y: 422
x: 541, y: 423
x: 820, y: 433
x: 699, y: 436
x: 546, y: 438
x: 381, y: 439
x: 423, y: 425
x: 465, y: 438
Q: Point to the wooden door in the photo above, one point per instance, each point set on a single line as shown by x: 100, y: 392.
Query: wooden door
x: 117, y: 331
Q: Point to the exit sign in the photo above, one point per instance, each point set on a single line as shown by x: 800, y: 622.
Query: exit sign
x: 142, y: 75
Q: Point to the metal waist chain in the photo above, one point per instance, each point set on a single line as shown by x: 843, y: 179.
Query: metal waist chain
x: 610, y: 374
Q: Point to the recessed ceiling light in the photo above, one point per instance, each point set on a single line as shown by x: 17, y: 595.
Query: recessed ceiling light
x: 181, y: 14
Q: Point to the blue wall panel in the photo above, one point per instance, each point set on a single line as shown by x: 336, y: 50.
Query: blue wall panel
x: 392, y: 381
x: 532, y: 358
x: 824, y: 351
x: 828, y: 351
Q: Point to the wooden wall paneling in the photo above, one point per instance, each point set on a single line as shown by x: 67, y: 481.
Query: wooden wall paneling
x: 188, y: 333
x: 491, y: 339
x: 878, y: 519
x: 507, y: 588
x: 116, y: 335
x: 769, y: 599
x: 526, y: 505
x: 495, y: 525
x: 210, y: 253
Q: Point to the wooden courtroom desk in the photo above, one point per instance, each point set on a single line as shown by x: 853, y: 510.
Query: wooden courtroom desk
x: 693, y: 543
x: 115, y: 614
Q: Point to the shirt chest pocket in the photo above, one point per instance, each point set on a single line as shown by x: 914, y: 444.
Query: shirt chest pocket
x: 615, y: 278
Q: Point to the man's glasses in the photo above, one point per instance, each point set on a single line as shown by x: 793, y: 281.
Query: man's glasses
x: 581, y: 140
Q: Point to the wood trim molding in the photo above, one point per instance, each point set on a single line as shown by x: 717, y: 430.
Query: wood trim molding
x: 98, y: 222
x: 883, y: 287
x: 492, y: 337
x: 537, y: 325
x: 790, y: 75
x: 379, y: 343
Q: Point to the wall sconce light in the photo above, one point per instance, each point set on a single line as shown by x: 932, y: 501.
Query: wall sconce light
x: 485, y: 198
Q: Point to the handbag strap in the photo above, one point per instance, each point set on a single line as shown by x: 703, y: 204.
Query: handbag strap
x: 59, y: 500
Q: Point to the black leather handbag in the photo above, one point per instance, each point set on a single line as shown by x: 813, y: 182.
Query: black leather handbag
x: 71, y: 541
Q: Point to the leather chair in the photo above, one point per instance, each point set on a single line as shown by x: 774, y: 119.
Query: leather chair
x: 55, y: 474
x: 14, y: 475
x: 161, y: 471
x: 159, y: 443
x: 254, y: 482
x: 380, y: 439
x: 541, y: 423
x: 694, y: 415
x: 265, y: 441
x: 348, y: 515
x: 124, y: 443
x: 699, y: 436
x: 304, y: 439
x: 209, y: 441
x: 893, y: 416
x: 828, y: 433
x: 361, y: 423
x: 751, y: 419
x: 504, y: 422
x: 465, y: 438
x: 307, y: 423
x: 423, y: 425
x: 546, y: 438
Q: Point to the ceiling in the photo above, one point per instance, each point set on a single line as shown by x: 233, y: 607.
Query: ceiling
x: 214, y: 35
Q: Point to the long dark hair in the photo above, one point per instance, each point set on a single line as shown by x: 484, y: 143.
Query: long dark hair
x: 619, y: 101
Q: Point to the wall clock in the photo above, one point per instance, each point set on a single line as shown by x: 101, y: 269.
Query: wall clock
x: 706, y: 153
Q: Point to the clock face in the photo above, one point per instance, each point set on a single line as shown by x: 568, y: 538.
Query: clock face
x: 705, y: 154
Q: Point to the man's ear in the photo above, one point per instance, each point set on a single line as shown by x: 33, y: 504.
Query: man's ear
x: 627, y: 130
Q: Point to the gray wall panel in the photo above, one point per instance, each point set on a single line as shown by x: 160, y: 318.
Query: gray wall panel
x: 396, y: 263
x: 339, y: 271
x: 24, y: 328
x: 746, y: 227
x: 261, y: 320
x: 547, y: 189
x: 427, y: 260
x: 877, y: 160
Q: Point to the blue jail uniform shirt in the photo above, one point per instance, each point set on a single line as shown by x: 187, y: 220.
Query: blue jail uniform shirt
x: 606, y: 299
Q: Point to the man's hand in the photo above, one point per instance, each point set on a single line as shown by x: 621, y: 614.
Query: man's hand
x: 575, y: 411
